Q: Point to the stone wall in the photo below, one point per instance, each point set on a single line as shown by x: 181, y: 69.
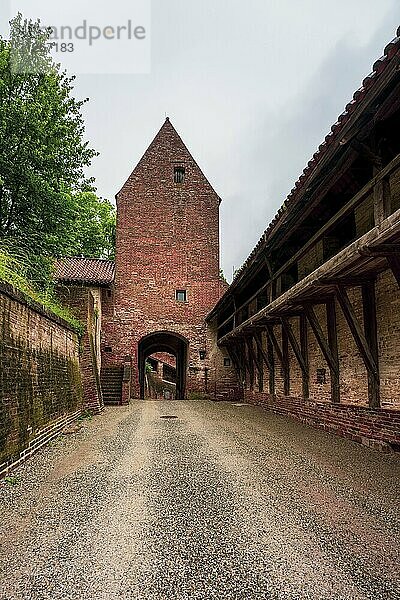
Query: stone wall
x: 40, y: 382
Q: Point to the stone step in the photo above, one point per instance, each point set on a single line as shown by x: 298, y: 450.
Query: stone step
x: 111, y: 385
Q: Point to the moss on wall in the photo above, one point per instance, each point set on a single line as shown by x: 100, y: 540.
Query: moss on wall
x: 39, y: 375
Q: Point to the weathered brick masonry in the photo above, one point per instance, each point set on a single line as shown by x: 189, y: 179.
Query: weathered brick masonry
x: 378, y: 429
x: 167, y: 244
x: 86, y: 304
x: 40, y: 383
x: 310, y: 325
x: 312, y: 320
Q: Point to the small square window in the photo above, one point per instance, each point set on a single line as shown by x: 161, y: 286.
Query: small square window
x: 227, y: 362
x: 179, y: 174
x: 181, y: 295
x: 202, y: 354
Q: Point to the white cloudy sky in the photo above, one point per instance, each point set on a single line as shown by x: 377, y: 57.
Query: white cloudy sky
x: 252, y: 87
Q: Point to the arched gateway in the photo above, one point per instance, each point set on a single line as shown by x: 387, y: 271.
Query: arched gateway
x: 164, y: 341
x: 167, y: 276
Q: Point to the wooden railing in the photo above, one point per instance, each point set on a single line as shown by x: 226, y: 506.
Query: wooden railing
x: 375, y: 183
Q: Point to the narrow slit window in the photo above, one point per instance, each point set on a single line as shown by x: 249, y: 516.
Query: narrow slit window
x: 179, y: 174
x: 181, y: 295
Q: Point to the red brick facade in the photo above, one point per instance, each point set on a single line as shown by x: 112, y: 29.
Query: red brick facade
x: 167, y: 242
x: 85, y: 302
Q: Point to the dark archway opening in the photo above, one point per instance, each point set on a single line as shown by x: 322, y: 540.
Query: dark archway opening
x: 164, y: 341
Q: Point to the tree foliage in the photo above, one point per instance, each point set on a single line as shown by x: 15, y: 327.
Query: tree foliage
x: 94, y: 232
x: 47, y: 204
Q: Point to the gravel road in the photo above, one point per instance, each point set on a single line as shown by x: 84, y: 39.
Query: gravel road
x: 225, y: 501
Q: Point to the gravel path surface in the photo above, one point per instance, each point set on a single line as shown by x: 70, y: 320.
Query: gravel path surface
x: 226, y: 501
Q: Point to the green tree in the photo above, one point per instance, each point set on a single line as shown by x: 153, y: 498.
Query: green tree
x: 43, y: 154
x: 93, y: 234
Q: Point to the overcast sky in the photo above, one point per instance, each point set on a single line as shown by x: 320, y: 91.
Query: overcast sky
x: 252, y: 87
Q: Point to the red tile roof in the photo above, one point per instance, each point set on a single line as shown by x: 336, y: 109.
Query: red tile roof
x: 96, y: 271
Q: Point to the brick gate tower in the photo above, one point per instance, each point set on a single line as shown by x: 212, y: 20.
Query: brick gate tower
x: 167, y: 274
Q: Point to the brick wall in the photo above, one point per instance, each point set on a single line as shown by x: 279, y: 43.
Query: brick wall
x: 167, y: 240
x: 223, y: 381
x: 378, y: 429
x: 388, y: 317
x: 40, y: 383
x: 312, y: 259
x: 352, y: 418
x: 86, y: 304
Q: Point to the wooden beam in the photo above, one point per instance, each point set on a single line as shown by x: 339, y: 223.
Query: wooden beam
x: 286, y: 363
x: 243, y: 360
x: 295, y: 345
x: 356, y: 330
x: 366, y: 152
x: 371, y: 335
x: 279, y: 314
x: 258, y: 339
x: 346, y: 281
x: 394, y: 264
x: 260, y: 364
x: 282, y: 357
x: 323, y: 187
x: 271, y: 360
x: 235, y: 361
x: 241, y: 364
x: 254, y: 358
x: 274, y: 342
x: 381, y: 201
x: 347, y: 208
x: 333, y: 346
x: 250, y: 363
x: 381, y: 250
x: 304, y: 353
x: 320, y: 337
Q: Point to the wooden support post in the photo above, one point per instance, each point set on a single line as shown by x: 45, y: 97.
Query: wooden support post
x: 287, y: 328
x: 371, y: 335
x: 260, y: 371
x: 234, y: 312
x: 320, y: 337
x: 271, y: 360
x: 235, y: 361
x: 333, y: 345
x: 271, y: 335
x: 381, y: 201
x: 282, y: 356
x: 265, y: 357
x: 241, y: 361
x: 260, y: 366
x: 255, y: 360
x: 327, y: 347
x: 359, y: 337
x: 249, y: 362
x: 304, y: 353
x: 286, y: 364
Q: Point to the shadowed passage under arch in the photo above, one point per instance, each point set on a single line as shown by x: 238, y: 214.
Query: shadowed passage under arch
x: 164, y: 341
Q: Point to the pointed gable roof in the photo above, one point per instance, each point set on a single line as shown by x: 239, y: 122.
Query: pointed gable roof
x: 169, y: 142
